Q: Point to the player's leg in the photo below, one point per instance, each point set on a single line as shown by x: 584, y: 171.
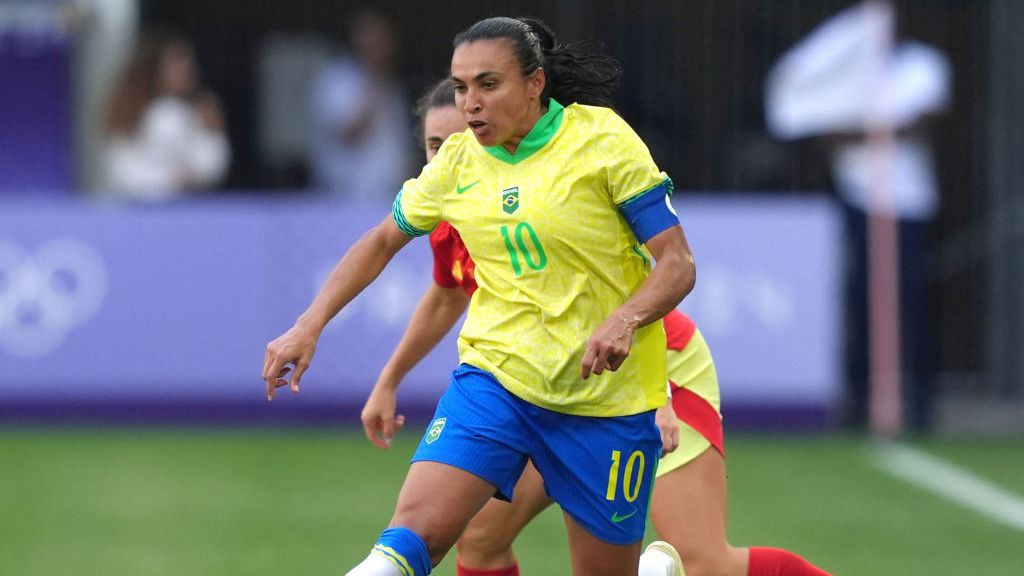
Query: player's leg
x: 688, y: 507
x: 434, y: 505
x: 485, y: 546
x: 469, y: 453
x: 688, y: 510
x: 593, y: 556
x: 438, y: 501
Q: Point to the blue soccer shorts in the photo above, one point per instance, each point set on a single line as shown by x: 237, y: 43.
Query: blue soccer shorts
x: 599, y: 470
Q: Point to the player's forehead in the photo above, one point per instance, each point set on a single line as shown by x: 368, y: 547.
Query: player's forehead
x: 480, y: 58
x: 442, y: 121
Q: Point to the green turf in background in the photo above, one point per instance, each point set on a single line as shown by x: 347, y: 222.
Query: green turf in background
x: 242, y: 502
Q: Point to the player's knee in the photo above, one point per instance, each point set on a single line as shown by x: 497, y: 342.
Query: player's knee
x: 437, y: 531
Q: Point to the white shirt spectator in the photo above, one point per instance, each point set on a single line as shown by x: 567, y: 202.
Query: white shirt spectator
x: 170, y: 152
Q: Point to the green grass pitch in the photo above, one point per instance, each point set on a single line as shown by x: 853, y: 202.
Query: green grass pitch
x: 156, y: 502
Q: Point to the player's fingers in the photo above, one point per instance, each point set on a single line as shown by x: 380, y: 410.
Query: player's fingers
x: 670, y: 442
x: 268, y: 359
x: 614, y: 361
x: 300, y: 369
x: 600, y: 364
x: 387, y: 428
x: 399, y: 422
x: 266, y: 365
x: 372, y: 429
x: 273, y: 379
x: 272, y: 361
x: 587, y: 364
x: 387, y: 431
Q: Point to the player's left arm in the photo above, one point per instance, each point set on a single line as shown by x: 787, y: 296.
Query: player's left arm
x: 642, y: 194
x: 672, y: 278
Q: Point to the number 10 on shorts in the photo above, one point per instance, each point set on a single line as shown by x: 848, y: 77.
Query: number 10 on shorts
x: 630, y: 486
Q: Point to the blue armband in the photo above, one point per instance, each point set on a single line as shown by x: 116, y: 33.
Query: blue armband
x: 650, y: 212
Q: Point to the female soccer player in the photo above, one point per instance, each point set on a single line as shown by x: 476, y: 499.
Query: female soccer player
x: 562, y: 353
x: 689, y: 501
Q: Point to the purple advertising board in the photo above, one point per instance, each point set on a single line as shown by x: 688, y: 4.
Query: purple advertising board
x: 117, y: 307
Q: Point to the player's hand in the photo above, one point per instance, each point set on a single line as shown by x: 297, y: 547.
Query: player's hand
x: 291, y: 353
x: 668, y: 424
x: 608, y: 346
x: 379, y: 420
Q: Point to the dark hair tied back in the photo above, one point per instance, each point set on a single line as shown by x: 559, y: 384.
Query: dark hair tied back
x: 576, y: 73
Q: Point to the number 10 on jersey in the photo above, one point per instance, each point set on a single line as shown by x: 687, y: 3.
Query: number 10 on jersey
x: 533, y: 254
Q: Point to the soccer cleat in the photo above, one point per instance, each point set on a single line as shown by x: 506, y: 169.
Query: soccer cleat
x: 660, y: 559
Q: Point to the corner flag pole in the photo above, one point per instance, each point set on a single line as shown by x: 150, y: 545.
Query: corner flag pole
x: 885, y: 392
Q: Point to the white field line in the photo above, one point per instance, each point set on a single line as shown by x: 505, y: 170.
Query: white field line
x: 950, y: 482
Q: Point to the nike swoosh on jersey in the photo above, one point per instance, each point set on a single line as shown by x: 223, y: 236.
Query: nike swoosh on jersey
x: 461, y: 189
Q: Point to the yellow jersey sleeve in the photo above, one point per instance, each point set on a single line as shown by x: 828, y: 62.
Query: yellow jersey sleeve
x: 630, y: 170
x: 419, y: 205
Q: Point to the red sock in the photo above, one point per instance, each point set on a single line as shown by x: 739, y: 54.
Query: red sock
x: 777, y: 562
x: 461, y: 570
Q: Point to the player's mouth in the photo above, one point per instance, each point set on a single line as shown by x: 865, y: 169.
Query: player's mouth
x: 479, y: 127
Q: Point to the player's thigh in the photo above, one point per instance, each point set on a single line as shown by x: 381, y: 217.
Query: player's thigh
x: 592, y: 556
x: 471, y: 450
x: 688, y: 507
x: 498, y: 523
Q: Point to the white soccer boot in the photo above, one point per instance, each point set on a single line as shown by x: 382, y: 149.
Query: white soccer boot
x: 660, y: 559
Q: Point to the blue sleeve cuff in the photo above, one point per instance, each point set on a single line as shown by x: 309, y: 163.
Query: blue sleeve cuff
x: 650, y: 212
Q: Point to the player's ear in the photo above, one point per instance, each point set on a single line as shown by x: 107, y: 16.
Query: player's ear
x: 536, y: 82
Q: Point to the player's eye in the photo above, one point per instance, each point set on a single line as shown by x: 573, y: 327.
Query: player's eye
x: 460, y: 88
x: 489, y: 85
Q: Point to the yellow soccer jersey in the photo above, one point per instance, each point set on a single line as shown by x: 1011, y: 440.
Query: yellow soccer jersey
x: 554, y: 256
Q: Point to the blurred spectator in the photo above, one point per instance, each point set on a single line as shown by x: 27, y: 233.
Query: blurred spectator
x: 847, y: 83
x: 165, y: 133
x: 361, y: 124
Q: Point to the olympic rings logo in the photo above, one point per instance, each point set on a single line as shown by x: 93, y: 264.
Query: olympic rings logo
x: 46, y: 293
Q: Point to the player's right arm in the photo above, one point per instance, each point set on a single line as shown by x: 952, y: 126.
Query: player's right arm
x: 354, y: 272
x: 438, y: 310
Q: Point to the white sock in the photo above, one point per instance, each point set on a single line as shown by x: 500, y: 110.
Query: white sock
x: 376, y: 564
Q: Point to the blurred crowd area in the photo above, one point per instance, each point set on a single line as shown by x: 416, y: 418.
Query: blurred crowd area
x: 693, y: 83
x: 154, y: 100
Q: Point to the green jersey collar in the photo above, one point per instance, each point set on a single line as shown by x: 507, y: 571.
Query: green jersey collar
x: 539, y: 135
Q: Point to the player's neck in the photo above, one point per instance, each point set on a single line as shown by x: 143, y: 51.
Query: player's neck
x: 534, y: 114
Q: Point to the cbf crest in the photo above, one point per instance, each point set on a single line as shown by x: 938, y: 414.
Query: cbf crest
x: 435, y: 430
x: 510, y: 199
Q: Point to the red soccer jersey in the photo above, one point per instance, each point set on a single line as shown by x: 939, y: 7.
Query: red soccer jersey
x: 453, y: 268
